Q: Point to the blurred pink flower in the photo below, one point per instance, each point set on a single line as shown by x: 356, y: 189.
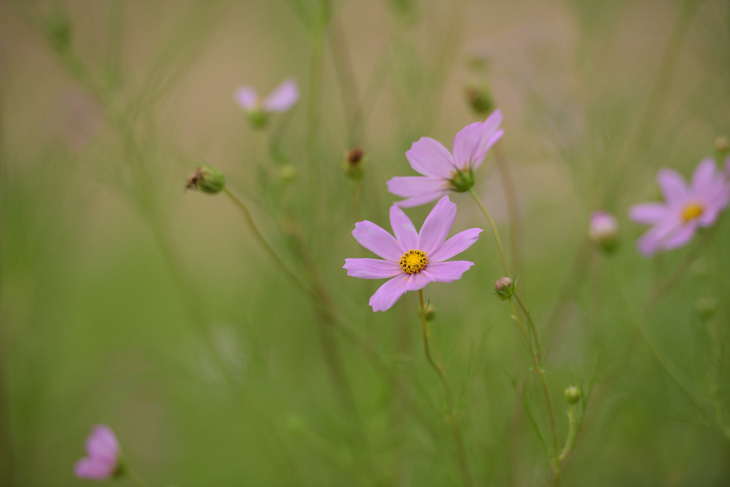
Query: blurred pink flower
x: 603, y: 230
x: 412, y: 259
x: 686, y: 209
x: 443, y: 171
x: 281, y: 99
x: 103, y: 452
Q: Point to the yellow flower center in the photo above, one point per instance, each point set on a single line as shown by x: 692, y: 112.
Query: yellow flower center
x: 413, y: 261
x: 692, y: 211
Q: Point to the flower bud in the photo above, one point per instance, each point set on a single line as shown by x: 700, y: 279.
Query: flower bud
x: 353, y: 163
x: 207, y: 179
x: 572, y: 395
x: 58, y: 30
x: 504, y: 288
x: 722, y: 146
x: 429, y: 312
x: 480, y: 99
x: 603, y: 231
x: 258, y: 118
x: 705, y: 308
x: 287, y: 173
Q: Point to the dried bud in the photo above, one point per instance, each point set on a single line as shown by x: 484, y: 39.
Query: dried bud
x: 722, y: 146
x: 480, y: 99
x: 603, y: 231
x: 705, y: 308
x: 353, y: 163
x: 287, y: 173
x: 207, y: 180
x: 504, y: 288
x: 429, y: 312
x: 572, y: 395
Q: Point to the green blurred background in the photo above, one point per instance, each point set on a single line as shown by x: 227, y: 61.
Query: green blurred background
x: 127, y: 301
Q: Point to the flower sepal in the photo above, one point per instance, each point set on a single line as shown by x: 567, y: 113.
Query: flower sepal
x: 505, y: 288
x: 257, y: 118
x: 462, y: 181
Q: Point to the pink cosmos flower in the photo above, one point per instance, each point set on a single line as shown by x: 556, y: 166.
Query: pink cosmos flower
x: 687, y: 208
x: 442, y: 171
x: 412, y: 259
x: 103, y: 452
x: 281, y: 99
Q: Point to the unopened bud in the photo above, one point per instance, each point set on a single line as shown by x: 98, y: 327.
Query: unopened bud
x: 429, y: 312
x: 58, y: 30
x: 722, y: 146
x: 258, y: 118
x: 504, y: 288
x: 353, y: 163
x: 572, y: 395
x: 705, y: 307
x: 603, y: 231
x: 480, y: 99
x: 287, y: 173
x: 207, y: 180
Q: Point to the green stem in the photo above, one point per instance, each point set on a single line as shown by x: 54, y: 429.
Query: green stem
x: 572, y: 431
x: 513, y: 208
x: 453, y: 417
x: 494, y: 230
x: 135, y: 479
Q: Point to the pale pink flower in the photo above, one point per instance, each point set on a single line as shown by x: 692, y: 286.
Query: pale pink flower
x: 281, y: 99
x: 102, y: 461
x: 686, y: 209
x: 443, y: 171
x: 412, y: 259
x: 603, y: 230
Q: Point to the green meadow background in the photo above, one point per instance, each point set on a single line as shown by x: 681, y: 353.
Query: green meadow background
x: 128, y: 301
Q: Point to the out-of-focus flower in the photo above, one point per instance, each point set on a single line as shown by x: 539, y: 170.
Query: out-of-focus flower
x: 603, y: 230
x: 412, y: 259
x: 281, y: 99
x: 102, y: 460
x: 353, y: 163
x: 686, y: 207
x: 443, y: 171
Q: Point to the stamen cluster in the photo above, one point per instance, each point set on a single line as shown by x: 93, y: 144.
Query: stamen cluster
x: 413, y: 261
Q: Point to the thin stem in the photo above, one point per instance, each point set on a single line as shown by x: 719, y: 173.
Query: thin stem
x: 356, y: 200
x: 135, y: 479
x: 453, y: 417
x: 272, y: 253
x: 494, y: 230
x: 572, y: 430
x: 513, y: 208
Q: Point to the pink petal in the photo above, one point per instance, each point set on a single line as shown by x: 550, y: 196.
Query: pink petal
x: 455, y: 245
x: 652, y: 240
x: 371, y: 268
x: 419, y: 281
x: 403, y: 229
x: 378, y: 241
x: 467, y: 144
x: 649, y: 213
x: 95, y: 468
x: 246, y: 98
x: 704, y: 175
x: 102, y: 443
x: 437, y: 226
x: 283, y: 97
x: 430, y: 158
x: 448, y: 271
x: 390, y: 292
x: 679, y: 236
x: 416, y: 185
x: 672, y: 185
x: 420, y: 200
x: 492, y: 123
x: 483, y: 152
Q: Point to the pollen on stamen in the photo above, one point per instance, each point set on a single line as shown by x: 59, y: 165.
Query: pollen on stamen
x: 413, y: 261
x: 692, y: 211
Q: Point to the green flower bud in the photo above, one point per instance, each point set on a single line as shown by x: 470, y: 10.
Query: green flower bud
x: 480, y: 99
x: 504, y: 288
x: 705, y: 308
x: 572, y: 395
x: 287, y: 173
x: 258, y: 118
x: 207, y: 179
x: 353, y: 163
x: 429, y: 312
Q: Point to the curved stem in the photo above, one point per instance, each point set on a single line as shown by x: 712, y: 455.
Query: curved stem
x: 453, y: 417
x: 572, y: 430
x: 494, y: 230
